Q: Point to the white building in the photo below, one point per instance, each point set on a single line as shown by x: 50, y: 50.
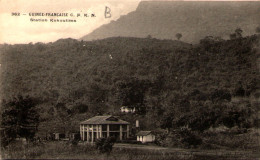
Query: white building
x: 104, y: 126
x: 126, y: 109
x: 145, y: 136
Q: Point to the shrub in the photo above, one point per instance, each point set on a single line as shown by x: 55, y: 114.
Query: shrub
x: 75, y: 142
x: 105, y: 145
x: 231, y: 139
x: 131, y: 141
x: 184, y: 137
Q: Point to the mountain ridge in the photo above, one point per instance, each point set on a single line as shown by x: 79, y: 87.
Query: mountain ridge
x: 164, y: 20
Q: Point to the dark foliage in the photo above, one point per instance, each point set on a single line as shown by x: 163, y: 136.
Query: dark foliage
x: 178, y: 36
x: 19, y: 119
x: 220, y: 95
x: 189, y: 138
x: 257, y: 29
x: 172, y: 84
x: 105, y: 145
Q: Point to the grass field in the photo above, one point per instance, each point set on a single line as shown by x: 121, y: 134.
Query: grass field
x: 64, y: 150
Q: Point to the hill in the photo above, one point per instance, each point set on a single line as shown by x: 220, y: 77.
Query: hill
x: 165, y: 20
x: 172, y: 83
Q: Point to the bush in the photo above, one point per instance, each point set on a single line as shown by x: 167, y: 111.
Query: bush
x: 105, y: 145
x: 188, y: 138
x: 232, y: 141
x: 131, y: 141
x: 181, y: 138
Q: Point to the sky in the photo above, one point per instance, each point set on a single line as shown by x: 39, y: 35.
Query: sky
x: 19, y: 29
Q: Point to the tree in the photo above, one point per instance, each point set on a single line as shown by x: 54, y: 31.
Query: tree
x: 149, y: 36
x: 239, y: 91
x: 19, y: 119
x: 257, y: 29
x: 220, y: 95
x: 178, y: 36
x: 238, y: 32
x: 232, y: 36
x: 240, y: 114
x: 131, y: 93
x: 207, y: 42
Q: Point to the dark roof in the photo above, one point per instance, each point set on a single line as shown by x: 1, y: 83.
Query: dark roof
x: 143, y: 133
x: 104, y: 120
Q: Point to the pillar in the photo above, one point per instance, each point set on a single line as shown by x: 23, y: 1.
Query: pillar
x: 121, y: 132
x: 92, y: 138
x: 83, y: 132
x: 80, y: 129
x: 97, y: 131
x: 100, y: 131
x: 127, y: 131
x: 107, y: 130
x: 87, y: 133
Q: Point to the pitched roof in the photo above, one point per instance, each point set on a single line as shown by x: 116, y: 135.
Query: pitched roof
x: 104, y: 120
x: 127, y: 107
x: 143, y: 133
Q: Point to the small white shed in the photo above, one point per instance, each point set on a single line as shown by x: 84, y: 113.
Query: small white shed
x: 126, y: 109
x: 145, y: 136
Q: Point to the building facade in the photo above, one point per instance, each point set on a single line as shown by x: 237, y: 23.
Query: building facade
x: 125, y: 109
x: 103, y: 126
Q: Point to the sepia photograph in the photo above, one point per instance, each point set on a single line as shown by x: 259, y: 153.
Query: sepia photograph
x: 129, y: 80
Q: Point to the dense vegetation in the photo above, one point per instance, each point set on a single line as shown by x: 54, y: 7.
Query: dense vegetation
x: 20, y: 119
x: 185, y: 89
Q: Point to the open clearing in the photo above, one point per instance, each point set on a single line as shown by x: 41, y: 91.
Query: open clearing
x: 65, y: 150
x: 196, y: 152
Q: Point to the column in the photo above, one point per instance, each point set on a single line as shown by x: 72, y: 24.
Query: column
x: 121, y: 134
x: 87, y: 133
x: 92, y: 138
x: 107, y: 130
x: 100, y: 131
x: 127, y: 131
x: 80, y: 131
x: 83, y: 131
x: 97, y: 131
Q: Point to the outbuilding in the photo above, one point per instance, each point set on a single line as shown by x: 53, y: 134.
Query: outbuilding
x: 145, y: 136
x: 58, y: 136
x: 126, y: 109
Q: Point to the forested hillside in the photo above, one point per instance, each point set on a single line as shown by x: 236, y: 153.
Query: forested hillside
x: 172, y: 84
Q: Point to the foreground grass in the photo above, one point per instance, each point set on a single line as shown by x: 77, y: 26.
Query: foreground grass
x: 50, y: 150
x: 64, y: 150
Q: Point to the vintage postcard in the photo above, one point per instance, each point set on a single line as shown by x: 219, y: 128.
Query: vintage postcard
x: 129, y: 80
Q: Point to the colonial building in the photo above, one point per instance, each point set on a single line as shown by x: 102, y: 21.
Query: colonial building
x: 103, y: 126
x: 145, y: 136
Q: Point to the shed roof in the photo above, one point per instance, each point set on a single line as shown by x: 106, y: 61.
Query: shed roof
x: 104, y: 120
x: 127, y: 107
x: 143, y: 133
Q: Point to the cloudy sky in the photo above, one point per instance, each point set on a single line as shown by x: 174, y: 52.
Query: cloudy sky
x: 19, y: 29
